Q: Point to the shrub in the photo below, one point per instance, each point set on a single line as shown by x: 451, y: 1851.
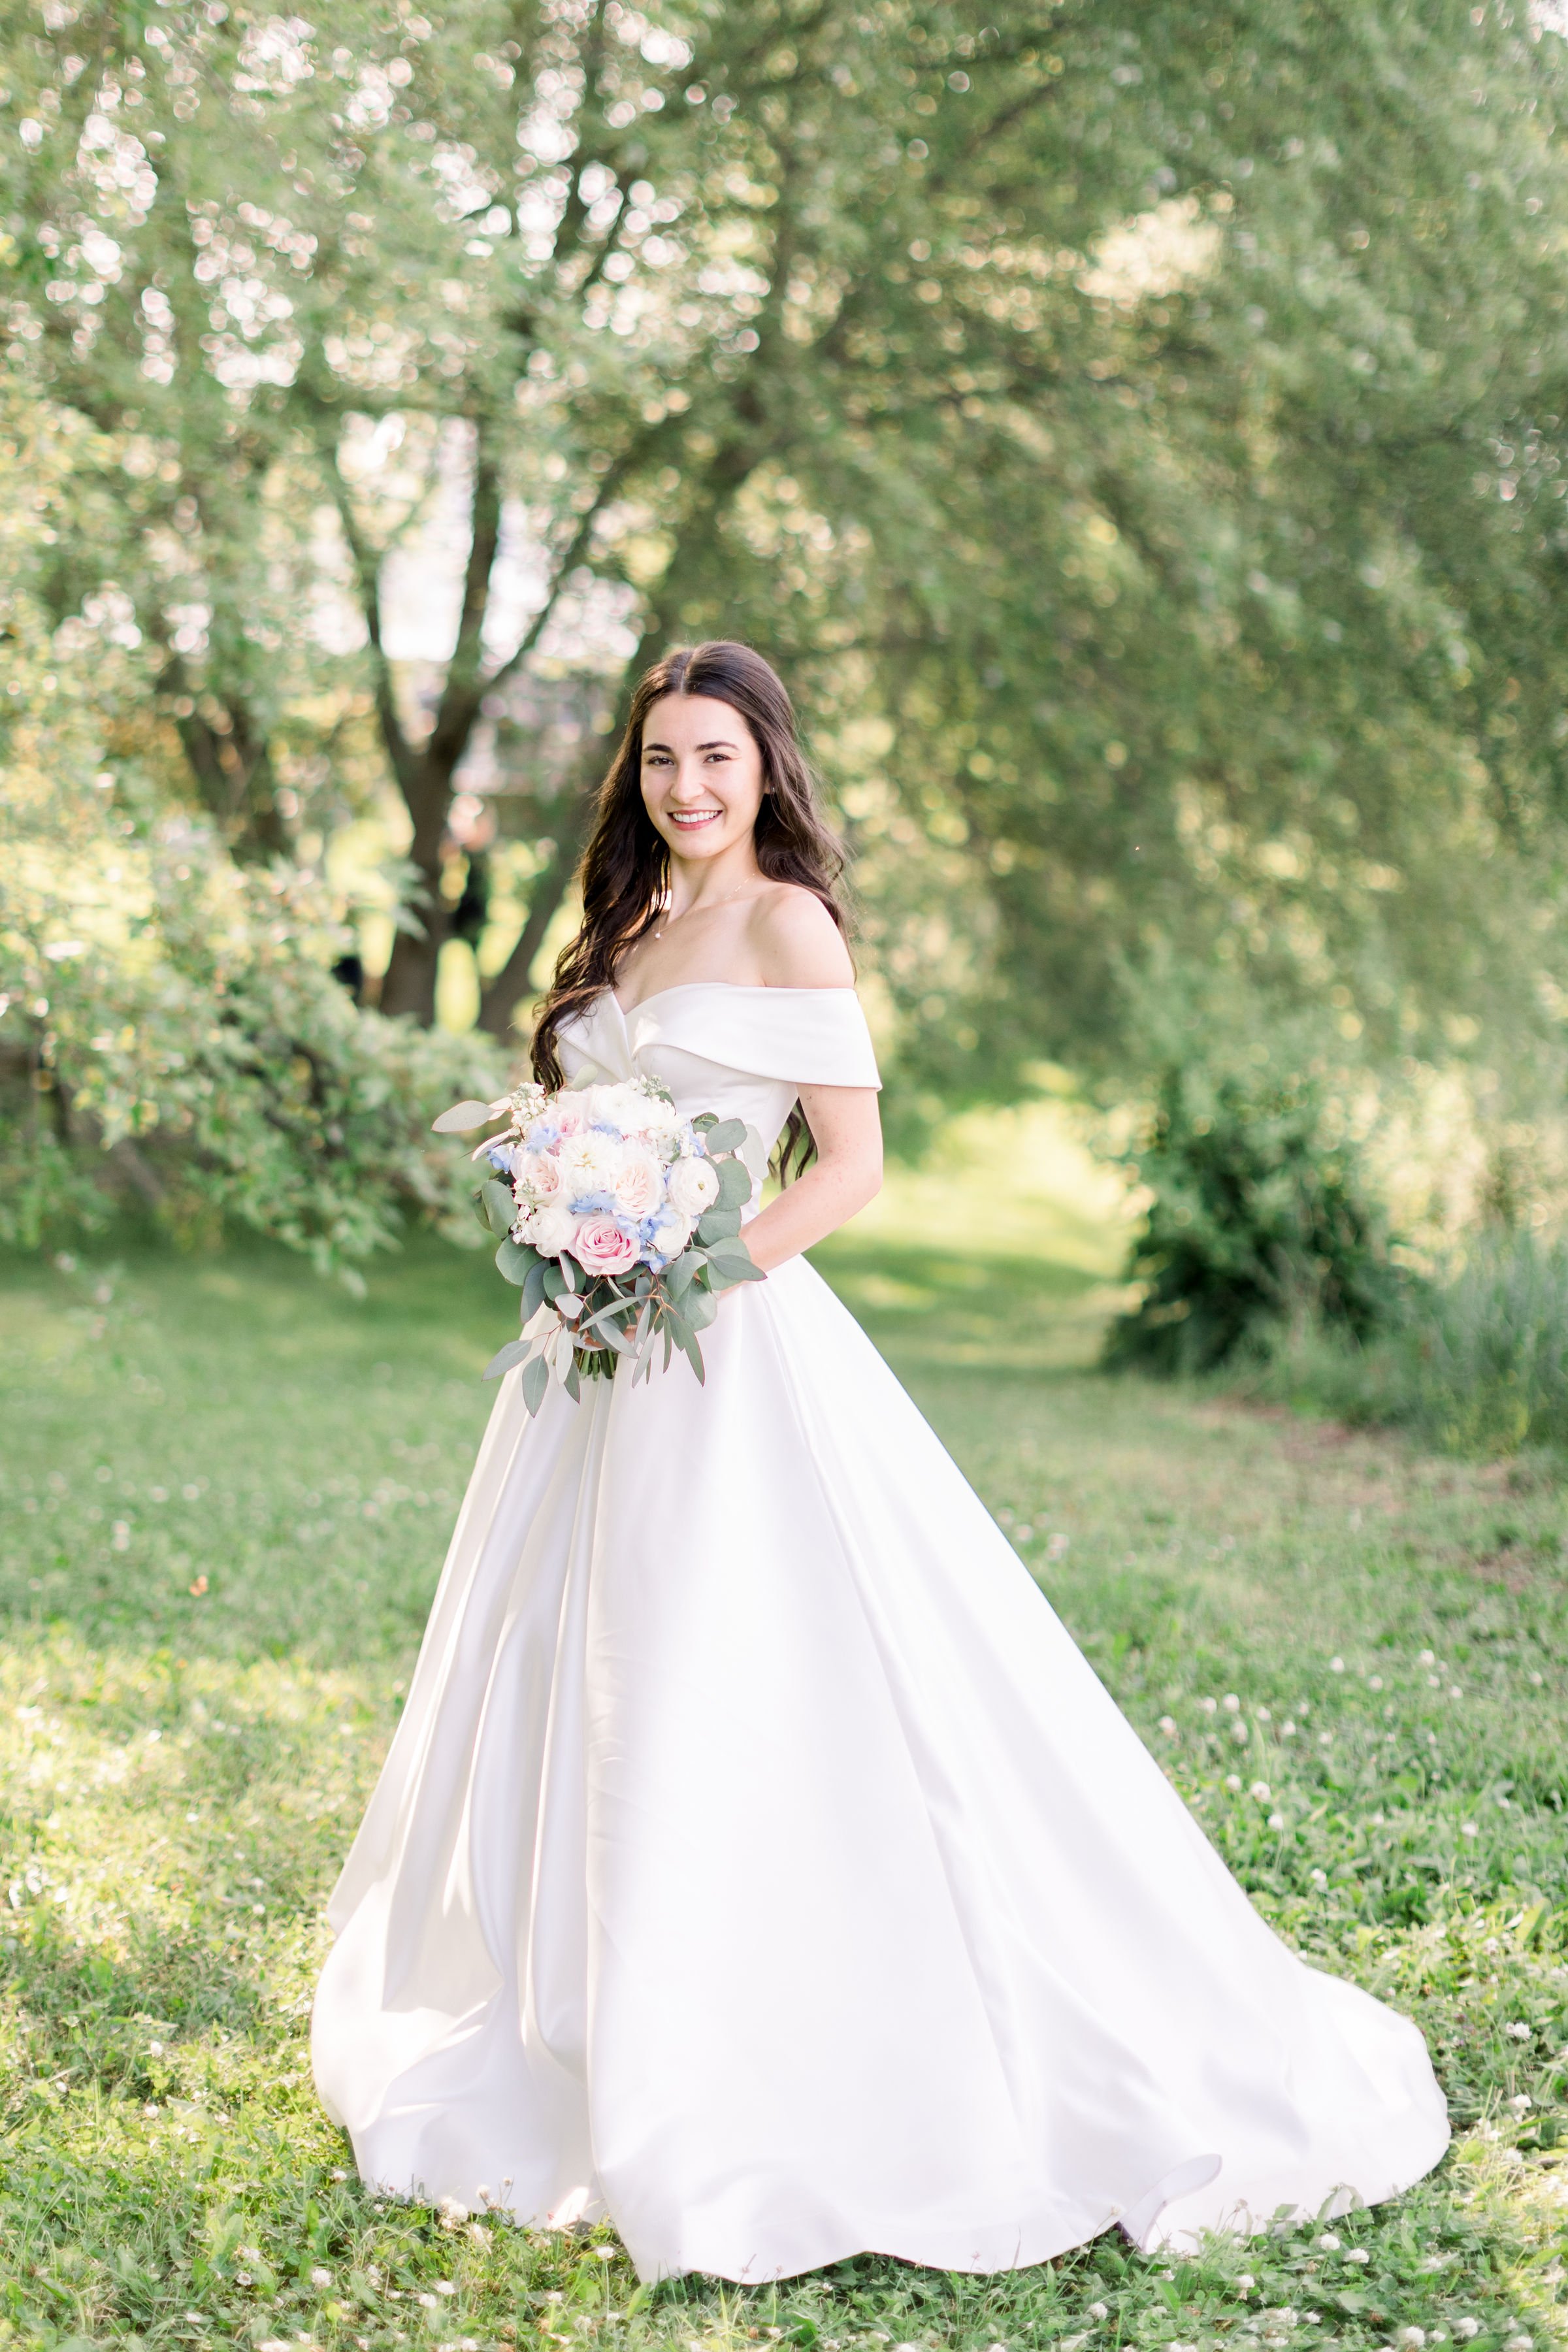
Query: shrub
x: 180, y: 1038
x: 1256, y: 1219
x: 1479, y: 1365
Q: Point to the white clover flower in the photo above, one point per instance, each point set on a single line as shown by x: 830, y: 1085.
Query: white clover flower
x: 1261, y: 1791
x: 1233, y: 1782
x: 1328, y: 2243
x: 1412, y: 2337
x: 1239, y: 1732
x: 1209, y: 1705
x: 1320, y: 1879
x: 1230, y: 1703
x: 1357, y: 2255
x: 1520, y: 2343
x: 1522, y: 2102
x: 1098, y: 2311
x: 1245, y: 2284
x: 1336, y: 1665
x: 1168, y: 1726
x: 1277, y: 1821
x: 320, y: 2275
x: 1518, y: 2030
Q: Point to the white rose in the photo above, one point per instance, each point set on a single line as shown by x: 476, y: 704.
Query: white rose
x: 553, y: 1228
x: 535, y: 1173
x: 619, y: 1106
x: 639, y: 1183
x: 661, y: 1122
x: 693, y: 1186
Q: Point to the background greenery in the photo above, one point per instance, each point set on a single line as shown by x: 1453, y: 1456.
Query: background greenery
x: 1137, y: 430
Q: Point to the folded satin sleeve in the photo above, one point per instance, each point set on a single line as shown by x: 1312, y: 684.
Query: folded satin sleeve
x: 807, y: 1036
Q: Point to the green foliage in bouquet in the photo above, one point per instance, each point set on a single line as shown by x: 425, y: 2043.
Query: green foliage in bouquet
x: 580, y: 1325
x: 1257, y: 1220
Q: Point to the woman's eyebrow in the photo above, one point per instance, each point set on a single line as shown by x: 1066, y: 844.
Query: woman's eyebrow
x: 720, y: 744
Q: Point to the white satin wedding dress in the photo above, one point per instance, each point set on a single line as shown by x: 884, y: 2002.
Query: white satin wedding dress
x: 758, y: 1863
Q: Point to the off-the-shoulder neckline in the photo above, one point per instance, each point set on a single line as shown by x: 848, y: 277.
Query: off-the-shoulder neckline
x: 731, y: 987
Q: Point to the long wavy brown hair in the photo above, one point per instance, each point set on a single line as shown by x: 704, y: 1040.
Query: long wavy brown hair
x: 624, y: 874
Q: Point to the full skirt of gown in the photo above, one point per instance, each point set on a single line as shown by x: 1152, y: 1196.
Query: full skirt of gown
x: 759, y: 1861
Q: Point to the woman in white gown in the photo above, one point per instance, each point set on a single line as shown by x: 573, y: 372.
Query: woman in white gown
x: 757, y: 1862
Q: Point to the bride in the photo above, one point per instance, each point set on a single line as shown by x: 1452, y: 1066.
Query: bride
x: 757, y: 1863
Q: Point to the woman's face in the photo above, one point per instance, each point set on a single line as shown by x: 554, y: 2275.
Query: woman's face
x: 702, y: 779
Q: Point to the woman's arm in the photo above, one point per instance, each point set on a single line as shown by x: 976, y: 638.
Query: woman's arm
x: 845, y: 1175
x: 798, y: 945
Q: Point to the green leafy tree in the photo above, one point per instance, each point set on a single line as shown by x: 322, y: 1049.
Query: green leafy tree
x: 1138, y: 430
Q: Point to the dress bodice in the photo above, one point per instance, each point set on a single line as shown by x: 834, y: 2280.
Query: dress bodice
x: 742, y: 1052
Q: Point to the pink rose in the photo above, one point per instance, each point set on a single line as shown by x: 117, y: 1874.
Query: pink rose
x: 569, y: 1112
x: 639, y: 1183
x: 600, y: 1246
x: 535, y: 1173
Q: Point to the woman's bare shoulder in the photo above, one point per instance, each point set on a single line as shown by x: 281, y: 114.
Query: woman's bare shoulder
x: 796, y: 941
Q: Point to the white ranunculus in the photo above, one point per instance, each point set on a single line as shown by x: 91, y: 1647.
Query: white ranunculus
x: 693, y: 1186
x: 554, y: 1226
x: 671, y: 1232
x: 639, y: 1183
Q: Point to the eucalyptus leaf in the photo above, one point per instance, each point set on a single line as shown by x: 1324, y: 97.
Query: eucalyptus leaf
x: 505, y: 1358
x: 725, y: 1137
x: 533, y: 1288
x: 535, y: 1381
x: 734, y: 1184
x: 555, y: 1282
x: 481, y: 1212
x: 732, y: 1264
x: 513, y: 1260
x: 699, y: 1306
x: 678, y: 1277
x: 500, y: 1206
x: 717, y: 1225
x: 461, y: 1119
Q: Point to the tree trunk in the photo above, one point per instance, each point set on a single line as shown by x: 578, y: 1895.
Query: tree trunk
x: 507, y: 990
x: 409, y: 983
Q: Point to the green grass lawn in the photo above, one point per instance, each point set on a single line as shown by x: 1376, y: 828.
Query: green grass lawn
x: 226, y: 1490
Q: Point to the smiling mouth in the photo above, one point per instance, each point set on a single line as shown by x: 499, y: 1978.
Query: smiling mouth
x: 690, y: 820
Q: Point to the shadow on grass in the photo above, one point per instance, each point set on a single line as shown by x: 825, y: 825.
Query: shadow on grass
x: 956, y: 1312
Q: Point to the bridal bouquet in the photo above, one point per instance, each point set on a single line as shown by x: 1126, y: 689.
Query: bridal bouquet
x: 617, y: 1218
